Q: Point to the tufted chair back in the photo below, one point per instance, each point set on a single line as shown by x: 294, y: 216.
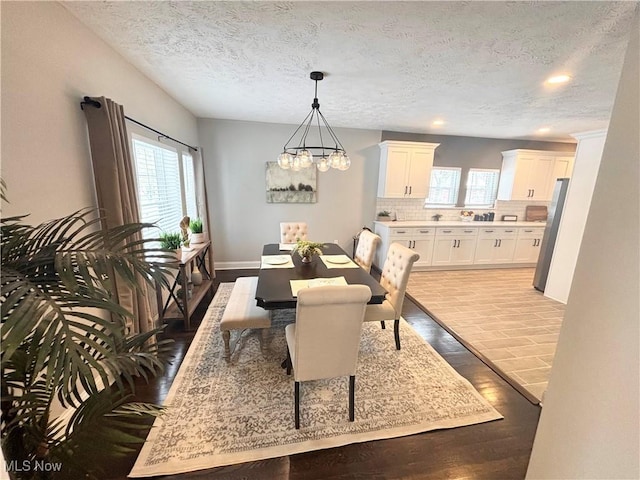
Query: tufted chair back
x: 395, y: 274
x: 367, y: 245
x: 291, y: 232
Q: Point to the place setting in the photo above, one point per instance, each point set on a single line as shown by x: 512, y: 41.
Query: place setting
x: 338, y: 261
x: 276, y: 261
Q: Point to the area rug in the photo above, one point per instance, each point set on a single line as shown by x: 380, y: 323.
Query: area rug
x: 221, y: 413
x: 498, y: 316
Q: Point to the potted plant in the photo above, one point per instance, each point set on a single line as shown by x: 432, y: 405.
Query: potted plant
x: 307, y: 249
x: 172, y: 241
x: 64, y: 338
x: 197, y: 235
x: 384, y: 216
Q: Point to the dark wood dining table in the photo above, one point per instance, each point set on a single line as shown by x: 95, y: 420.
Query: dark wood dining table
x: 274, y: 290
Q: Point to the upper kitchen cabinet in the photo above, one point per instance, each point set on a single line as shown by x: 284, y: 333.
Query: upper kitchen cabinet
x: 531, y: 174
x: 405, y: 169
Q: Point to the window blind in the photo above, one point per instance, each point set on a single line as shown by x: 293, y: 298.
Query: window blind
x: 159, y: 189
x: 443, y: 186
x: 482, y: 187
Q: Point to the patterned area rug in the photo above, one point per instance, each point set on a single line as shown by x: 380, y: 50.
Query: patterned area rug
x: 221, y: 413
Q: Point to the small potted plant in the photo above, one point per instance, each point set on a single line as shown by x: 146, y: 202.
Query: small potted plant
x: 307, y: 249
x: 384, y: 216
x: 172, y: 241
x: 197, y: 235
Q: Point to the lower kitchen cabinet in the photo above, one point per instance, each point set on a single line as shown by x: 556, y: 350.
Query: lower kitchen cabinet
x: 495, y: 245
x: 528, y: 243
x: 454, y: 246
x: 460, y: 246
x: 418, y: 239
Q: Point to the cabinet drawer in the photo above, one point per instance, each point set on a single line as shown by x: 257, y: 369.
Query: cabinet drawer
x: 497, y: 232
x: 412, y: 232
x: 530, y: 232
x: 457, y: 231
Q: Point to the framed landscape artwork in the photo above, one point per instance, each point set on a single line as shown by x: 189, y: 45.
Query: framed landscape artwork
x: 287, y: 186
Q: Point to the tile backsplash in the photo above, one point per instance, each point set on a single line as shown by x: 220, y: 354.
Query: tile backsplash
x: 413, y: 209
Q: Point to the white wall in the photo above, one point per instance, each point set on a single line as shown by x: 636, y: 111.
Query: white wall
x: 242, y: 221
x: 589, y: 427
x: 574, y: 215
x: 49, y: 62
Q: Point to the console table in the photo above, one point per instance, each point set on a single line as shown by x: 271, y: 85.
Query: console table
x: 184, y: 296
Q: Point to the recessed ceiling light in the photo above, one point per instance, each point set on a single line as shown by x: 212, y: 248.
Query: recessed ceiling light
x: 544, y: 130
x: 438, y: 122
x: 558, y: 79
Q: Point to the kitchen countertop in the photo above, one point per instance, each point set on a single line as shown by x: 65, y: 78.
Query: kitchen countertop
x: 457, y: 223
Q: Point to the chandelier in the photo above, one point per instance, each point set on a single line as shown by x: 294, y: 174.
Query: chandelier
x: 303, y: 155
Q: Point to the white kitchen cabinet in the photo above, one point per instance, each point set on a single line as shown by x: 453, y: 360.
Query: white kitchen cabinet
x: 531, y: 174
x: 495, y: 245
x: 405, y: 169
x: 454, y: 246
x: 528, y: 243
x: 419, y: 239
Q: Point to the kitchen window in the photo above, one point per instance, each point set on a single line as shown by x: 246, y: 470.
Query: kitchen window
x: 482, y: 187
x: 165, y: 184
x: 443, y: 187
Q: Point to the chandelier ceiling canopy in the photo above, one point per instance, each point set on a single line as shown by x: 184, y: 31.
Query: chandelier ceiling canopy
x: 297, y: 155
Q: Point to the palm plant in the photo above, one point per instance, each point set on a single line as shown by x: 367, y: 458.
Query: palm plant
x: 64, y: 337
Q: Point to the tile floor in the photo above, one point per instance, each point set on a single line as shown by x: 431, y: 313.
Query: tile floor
x: 498, y: 315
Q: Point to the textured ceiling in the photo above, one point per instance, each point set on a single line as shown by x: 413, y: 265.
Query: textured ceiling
x: 398, y: 66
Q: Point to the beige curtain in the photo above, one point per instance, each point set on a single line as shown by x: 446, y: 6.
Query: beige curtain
x: 115, y: 189
x: 201, y: 194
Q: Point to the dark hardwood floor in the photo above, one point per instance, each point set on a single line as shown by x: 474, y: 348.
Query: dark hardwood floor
x: 493, y: 450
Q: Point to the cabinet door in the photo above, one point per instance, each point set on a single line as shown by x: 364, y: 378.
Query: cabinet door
x: 527, y: 249
x: 424, y: 247
x: 532, y: 177
x: 420, y: 173
x: 442, y: 251
x: 398, y: 160
x: 485, y: 250
x: 522, y: 179
x: 540, y: 179
x: 464, y: 252
x: 562, y: 168
x: 503, y: 253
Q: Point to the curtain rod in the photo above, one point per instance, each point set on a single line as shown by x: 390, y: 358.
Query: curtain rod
x: 95, y: 103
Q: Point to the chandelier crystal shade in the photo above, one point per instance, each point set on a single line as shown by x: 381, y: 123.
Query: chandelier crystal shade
x: 297, y: 155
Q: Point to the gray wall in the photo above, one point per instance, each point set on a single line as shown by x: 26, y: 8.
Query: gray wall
x: 242, y: 221
x: 473, y: 152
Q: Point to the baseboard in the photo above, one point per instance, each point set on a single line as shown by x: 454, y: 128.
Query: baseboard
x: 237, y: 265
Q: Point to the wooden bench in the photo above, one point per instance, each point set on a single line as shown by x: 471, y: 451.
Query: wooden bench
x: 242, y: 312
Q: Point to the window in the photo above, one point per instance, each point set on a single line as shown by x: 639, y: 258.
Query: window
x: 443, y: 187
x: 482, y: 187
x: 166, y: 190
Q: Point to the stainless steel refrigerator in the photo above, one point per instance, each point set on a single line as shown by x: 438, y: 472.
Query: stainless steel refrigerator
x: 550, y: 234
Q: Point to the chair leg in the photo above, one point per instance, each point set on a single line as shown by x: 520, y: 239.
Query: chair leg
x: 382, y: 324
x: 352, y: 397
x: 396, y: 331
x: 288, y: 361
x: 297, y: 403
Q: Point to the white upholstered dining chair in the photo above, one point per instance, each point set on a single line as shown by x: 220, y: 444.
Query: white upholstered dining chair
x: 367, y: 244
x: 393, y: 278
x: 291, y: 232
x: 325, y: 339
